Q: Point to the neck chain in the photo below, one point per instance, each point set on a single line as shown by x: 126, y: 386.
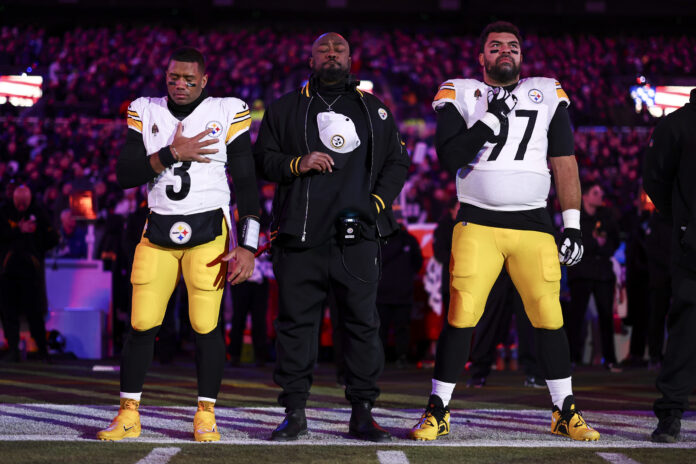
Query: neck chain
x: 327, y: 104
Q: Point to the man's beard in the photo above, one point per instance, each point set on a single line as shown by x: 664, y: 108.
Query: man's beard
x: 502, y: 73
x: 332, y: 73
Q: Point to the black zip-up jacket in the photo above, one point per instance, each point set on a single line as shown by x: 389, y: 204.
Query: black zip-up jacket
x: 668, y: 178
x: 283, y: 140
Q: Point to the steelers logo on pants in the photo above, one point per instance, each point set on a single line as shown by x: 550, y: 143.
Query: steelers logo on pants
x: 180, y: 233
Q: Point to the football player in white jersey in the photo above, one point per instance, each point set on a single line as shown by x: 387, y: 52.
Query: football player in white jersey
x: 496, y: 136
x: 180, y: 146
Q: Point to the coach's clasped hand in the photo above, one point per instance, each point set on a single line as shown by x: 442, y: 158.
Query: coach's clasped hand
x: 316, y: 160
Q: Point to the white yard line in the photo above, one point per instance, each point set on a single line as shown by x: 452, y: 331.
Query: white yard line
x: 392, y: 457
x: 617, y: 458
x: 159, y: 456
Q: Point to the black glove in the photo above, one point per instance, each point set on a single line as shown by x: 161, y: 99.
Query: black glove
x: 500, y: 102
x: 570, y: 249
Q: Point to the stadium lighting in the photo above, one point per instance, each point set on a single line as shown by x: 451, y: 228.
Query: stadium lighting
x: 20, y: 90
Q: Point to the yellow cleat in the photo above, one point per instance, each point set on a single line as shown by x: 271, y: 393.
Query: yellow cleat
x: 570, y: 423
x: 125, y: 425
x: 204, y: 427
x: 435, y: 421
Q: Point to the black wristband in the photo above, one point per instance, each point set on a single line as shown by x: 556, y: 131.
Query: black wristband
x: 166, y: 156
x: 249, y: 248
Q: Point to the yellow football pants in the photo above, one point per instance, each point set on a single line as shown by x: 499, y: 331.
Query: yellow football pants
x: 156, y: 272
x: 531, y: 259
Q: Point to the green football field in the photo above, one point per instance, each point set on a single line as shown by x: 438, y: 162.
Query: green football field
x: 50, y: 413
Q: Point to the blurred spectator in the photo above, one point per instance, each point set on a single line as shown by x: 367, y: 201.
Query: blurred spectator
x: 25, y: 236
x: 637, y: 288
x: 401, y: 262
x: 72, y: 238
x: 593, y: 276
x: 442, y: 248
x: 251, y: 297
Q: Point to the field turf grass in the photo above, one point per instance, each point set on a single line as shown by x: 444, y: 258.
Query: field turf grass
x: 50, y: 413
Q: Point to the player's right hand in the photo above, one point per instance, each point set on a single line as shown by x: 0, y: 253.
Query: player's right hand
x: 570, y: 249
x: 316, y: 160
x: 192, y: 148
x: 500, y: 102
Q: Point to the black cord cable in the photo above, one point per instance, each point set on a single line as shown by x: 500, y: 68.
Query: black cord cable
x: 379, y: 263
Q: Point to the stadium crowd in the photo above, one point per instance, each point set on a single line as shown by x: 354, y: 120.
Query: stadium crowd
x: 96, y: 71
x: 69, y: 141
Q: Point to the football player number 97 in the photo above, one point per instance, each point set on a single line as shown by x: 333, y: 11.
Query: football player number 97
x: 531, y: 116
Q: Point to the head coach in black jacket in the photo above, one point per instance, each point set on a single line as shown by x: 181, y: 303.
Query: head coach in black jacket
x: 339, y: 162
x: 668, y: 178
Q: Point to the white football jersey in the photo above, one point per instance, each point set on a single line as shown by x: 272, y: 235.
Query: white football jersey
x: 511, y: 174
x: 190, y: 187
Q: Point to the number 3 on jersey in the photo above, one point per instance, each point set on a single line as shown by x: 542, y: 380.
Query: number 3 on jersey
x: 185, y: 182
x: 500, y: 141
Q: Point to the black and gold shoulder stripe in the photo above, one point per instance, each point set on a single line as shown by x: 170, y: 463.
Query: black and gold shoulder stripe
x: 240, y: 123
x: 133, y: 120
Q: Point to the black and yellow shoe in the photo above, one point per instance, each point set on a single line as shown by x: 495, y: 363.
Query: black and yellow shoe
x: 204, y: 426
x: 570, y: 423
x: 125, y: 425
x: 435, y: 421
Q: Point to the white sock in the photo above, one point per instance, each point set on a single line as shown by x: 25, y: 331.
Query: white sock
x: 443, y: 390
x: 209, y: 400
x: 560, y: 389
x: 131, y: 396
